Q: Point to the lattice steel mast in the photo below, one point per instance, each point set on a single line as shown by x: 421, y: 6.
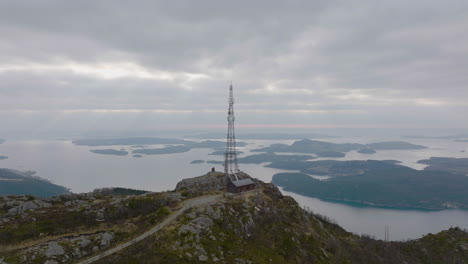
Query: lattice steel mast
x: 230, y: 157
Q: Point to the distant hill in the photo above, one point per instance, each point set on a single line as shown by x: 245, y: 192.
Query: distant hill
x: 210, y: 144
x: 334, y: 168
x: 310, y: 146
x: 330, y: 154
x: 172, y: 145
x: 127, y: 141
x: 222, y: 152
x: 14, y: 182
x: 456, y: 165
x: 314, y: 146
x: 366, y: 151
x: 268, y: 157
x: 394, y: 145
x: 397, y: 187
x: 261, y: 136
x: 166, y: 150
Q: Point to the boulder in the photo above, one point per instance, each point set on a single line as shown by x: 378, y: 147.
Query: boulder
x: 106, y: 239
x: 54, y: 249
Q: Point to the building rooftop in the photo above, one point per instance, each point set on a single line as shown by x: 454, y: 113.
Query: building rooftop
x: 243, y: 182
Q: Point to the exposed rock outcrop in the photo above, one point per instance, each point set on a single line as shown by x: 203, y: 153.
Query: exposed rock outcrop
x: 211, y: 181
x: 21, y: 207
x: 67, y: 249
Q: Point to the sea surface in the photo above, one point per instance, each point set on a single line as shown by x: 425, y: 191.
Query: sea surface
x: 75, y: 167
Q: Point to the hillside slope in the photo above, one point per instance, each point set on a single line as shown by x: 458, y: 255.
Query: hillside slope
x: 270, y: 228
x: 18, y: 183
x: 257, y: 227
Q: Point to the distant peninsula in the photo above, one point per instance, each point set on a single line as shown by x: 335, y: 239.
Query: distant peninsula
x: 110, y: 152
x: 3, y: 157
x: 185, y: 148
x: 310, y: 146
x: 197, y: 162
x: 314, y: 146
x: 394, y: 145
x: 268, y: 157
x: 165, y: 150
x: 400, y: 187
x: 455, y: 165
x: 18, y: 183
x: 173, y: 146
x: 334, y: 168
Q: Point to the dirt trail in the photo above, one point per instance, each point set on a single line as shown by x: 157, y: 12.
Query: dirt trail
x: 200, y: 201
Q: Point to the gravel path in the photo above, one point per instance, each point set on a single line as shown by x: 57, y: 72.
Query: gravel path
x: 200, y: 201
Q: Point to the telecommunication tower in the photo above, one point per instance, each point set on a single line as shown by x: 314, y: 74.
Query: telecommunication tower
x: 230, y: 157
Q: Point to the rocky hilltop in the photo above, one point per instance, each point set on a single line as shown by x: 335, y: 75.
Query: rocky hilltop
x: 184, y: 226
x: 211, y: 181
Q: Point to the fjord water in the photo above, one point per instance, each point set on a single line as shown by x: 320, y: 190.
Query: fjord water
x: 80, y: 170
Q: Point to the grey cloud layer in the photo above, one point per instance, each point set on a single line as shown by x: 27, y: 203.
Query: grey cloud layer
x: 328, y: 62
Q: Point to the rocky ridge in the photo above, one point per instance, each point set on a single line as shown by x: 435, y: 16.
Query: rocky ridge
x: 263, y: 226
x: 259, y: 226
x: 70, y: 227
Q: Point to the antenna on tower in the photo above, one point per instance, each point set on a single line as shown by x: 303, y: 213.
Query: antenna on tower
x: 230, y: 158
x: 387, y: 233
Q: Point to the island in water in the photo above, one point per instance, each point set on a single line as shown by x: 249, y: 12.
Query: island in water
x: 261, y: 136
x: 165, y: 150
x: 314, y: 146
x: 394, y: 145
x: 137, y: 156
x: 267, y: 157
x: 456, y: 165
x: 172, y: 146
x: 197, y: 162
x: 330, y: 154
x: 213, y: 144
x: 398, y: 187
x: 366, y: 151
x: 110, y: 152
x: 18, y: 183
x: 127, y: 141
x: 210, y: 144
x: 3, y: 157
x: 335, y: 168
x: 1, y: 140
x: 222, y: 152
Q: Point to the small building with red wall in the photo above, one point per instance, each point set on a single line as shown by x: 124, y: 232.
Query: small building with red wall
x: 241, y: 185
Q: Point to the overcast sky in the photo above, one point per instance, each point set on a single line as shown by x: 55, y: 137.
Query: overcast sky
x: 151, y: 65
